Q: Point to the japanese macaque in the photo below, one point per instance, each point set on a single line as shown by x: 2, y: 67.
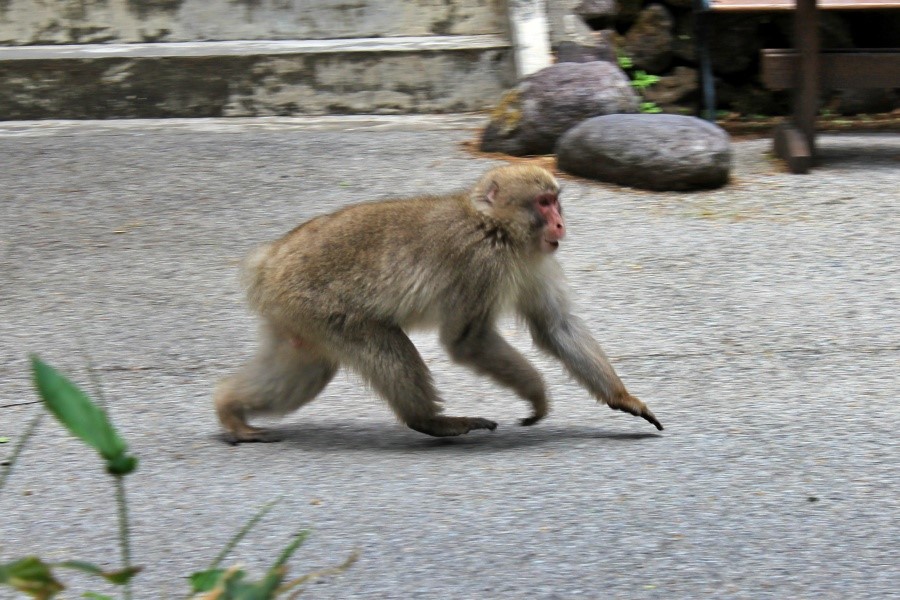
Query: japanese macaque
x: 342, y: 289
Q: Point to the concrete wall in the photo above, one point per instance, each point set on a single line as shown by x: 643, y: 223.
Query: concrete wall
x: 27, y: 22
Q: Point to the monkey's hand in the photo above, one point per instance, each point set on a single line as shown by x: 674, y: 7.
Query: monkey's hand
x: 628, y: 403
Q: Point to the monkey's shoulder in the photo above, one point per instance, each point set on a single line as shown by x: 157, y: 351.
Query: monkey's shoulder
x: 370, y: 218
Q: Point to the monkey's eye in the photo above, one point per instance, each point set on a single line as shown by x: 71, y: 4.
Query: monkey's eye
x: 544, y: 201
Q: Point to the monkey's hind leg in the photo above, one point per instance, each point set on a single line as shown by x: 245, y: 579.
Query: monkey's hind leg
x: 282, y: 377
x: 389, y: 361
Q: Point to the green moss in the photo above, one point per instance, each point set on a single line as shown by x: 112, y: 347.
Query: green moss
x: 508, y: 112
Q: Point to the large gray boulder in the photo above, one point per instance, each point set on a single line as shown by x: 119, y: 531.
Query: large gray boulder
x: 653, y: 151
x: 530, y: 118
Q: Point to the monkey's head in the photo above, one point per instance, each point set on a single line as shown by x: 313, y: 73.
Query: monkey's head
x: 524, y: 199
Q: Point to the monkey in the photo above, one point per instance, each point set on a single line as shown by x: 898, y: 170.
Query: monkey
x: 342, y: 289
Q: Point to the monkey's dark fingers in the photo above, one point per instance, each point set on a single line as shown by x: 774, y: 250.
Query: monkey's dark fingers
x: 646, y: 414
x: 640, y: 411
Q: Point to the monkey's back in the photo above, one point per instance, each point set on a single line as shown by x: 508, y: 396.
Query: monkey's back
x: 396, y: 261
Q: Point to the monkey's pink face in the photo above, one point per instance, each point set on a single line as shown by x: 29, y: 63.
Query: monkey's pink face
x: 554, y: 228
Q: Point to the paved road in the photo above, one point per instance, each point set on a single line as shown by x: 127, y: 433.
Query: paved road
x: 760, y: 322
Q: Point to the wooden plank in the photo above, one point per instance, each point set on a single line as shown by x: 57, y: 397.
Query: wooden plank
x: 867, y: 68
x: 780, y: 5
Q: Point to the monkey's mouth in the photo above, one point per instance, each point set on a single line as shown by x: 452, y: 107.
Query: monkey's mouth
x: 552, y: 245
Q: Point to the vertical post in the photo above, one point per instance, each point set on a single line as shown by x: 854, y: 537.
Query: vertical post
x: 806, y: 94
x: 530, y: 35
x: 701, y: 43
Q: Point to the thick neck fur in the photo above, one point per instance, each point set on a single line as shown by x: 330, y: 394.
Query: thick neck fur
x: 505, y: 228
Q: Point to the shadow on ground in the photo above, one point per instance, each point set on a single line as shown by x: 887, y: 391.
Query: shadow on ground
x: 394, y: 438
x: 838, y: 151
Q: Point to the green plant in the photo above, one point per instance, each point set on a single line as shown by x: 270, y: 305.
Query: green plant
x: 88, y: 422
x: 216, y: 583
x: 640, y: 80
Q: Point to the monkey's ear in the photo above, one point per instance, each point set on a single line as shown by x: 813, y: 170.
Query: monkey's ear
x: 490, y: 196
x: 484, y: 199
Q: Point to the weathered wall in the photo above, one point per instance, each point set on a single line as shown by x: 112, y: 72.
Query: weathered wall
x: 26, y: 22
x: 79, y: 86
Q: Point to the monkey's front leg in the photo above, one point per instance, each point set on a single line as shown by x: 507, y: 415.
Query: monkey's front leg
x: 389, y: 361
x: 487, y: 353
x: 555, y: 330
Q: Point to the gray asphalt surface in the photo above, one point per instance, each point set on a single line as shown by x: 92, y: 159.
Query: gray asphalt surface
x: 759, y: 322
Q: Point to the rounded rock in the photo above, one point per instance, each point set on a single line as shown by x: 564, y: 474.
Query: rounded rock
x: 648, y: 151
x: 531, y: 117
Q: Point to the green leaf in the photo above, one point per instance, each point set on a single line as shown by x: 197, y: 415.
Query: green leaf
x: 82, y: 417
x: 95, y: 596
x: 229, y: 584
x: 268, y: 587
x: 80, y: 565
x: 650, y: 108
x: 275, y: 575
x: 31, y: 576
x: 291, y: 548
x: 204, y: 581
x: 121, y: 576
x: 242, y: 532
x: 118, y: 577
x: 3, y: 439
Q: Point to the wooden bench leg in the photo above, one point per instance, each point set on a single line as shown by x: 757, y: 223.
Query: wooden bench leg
x: 793, y: 147
x: 806, y: 93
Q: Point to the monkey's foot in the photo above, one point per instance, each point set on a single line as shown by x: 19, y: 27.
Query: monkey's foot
x: 450, y: 426
x: 528, y: 421
x: 249, y: 434
x: 633, y: 406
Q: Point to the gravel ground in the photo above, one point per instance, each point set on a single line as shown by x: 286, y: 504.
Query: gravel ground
x: 759, y: 321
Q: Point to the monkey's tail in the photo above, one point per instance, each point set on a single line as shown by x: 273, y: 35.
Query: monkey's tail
x: 253, y: 273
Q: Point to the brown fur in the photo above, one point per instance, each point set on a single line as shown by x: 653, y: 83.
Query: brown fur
x: 341, y: 289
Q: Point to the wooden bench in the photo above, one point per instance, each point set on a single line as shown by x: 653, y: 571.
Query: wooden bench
x: 805, y: 69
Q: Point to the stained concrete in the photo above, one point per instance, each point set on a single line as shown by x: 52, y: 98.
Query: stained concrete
x: 128, y: 21
x: 261, y: 78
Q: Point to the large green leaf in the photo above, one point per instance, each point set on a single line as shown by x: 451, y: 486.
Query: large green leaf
x: 205, y: 581
x: 82, y: 417
x: 31, y: 576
